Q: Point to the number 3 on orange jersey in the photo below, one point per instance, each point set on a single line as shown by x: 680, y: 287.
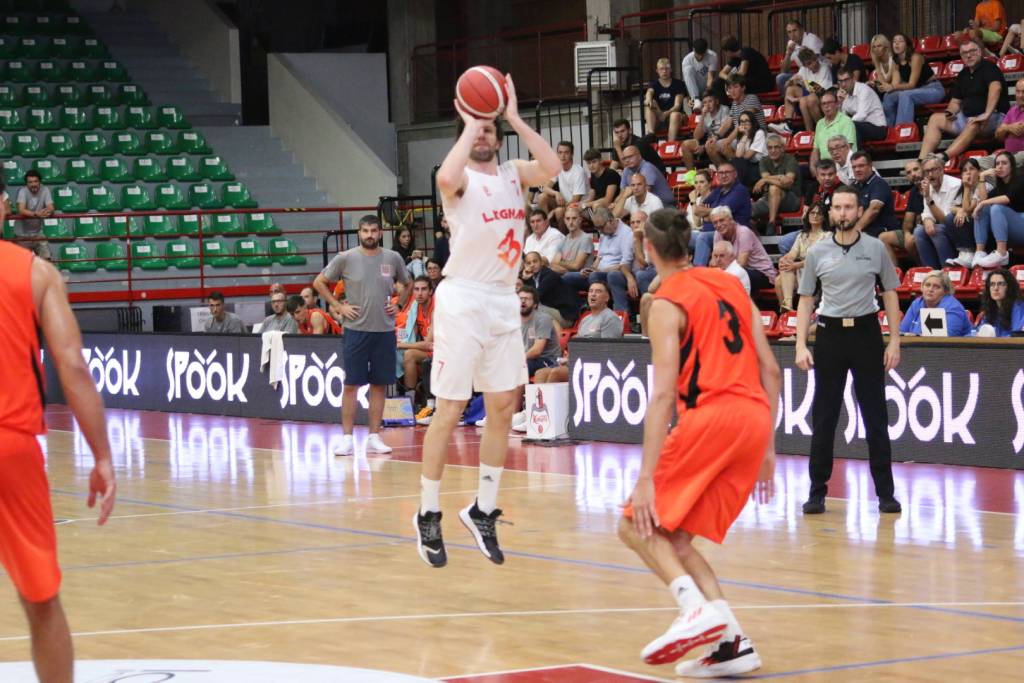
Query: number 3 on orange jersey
x: 510, y: 250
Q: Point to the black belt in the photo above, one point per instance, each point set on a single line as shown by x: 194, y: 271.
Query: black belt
x: 859, y: 321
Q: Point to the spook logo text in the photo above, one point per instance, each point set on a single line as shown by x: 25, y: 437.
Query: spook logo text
x: 113, y: 374
x: 206, y: 377
x: 616, y: 393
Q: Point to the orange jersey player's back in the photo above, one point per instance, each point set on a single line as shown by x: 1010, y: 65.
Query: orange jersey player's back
x: 21, y: 401
x: 717, y: 358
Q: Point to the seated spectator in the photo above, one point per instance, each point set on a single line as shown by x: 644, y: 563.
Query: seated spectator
x: 729, y: 193
x: 740, y: 102
x: 912, y: 216
x: 714, y: 122
x: 405, y: 246
x: 977, y: 103
x: 574, y: 252
x: 636, y: 198
x: 567, y: 188
x: 958, y: 227
x: 34, y: 204
x: 664, y: 100
x: 309, y: 297
x: 723, y: 256
x: 441, y: 249
x: 615, y: 254
x: 604, y: 182
x: 913, y: 83
x: 1002, y: 311
x: 1011, y: 131
x: 839, y: 57
x: 937, y: 292
x: 833, y: 123
x: 989, y: 23
x: 1000, y: 215
x: 414, y: 325
x: 885, y: 65
x: 799, y: 41
x: 875, y: 194
x: 434, y: 273
x: 746, y: 62
x: 930, y: 202
x: 599, y: 323
x: 700, y: 66
x: 540, y: 338
x: 748, y: 149
x: 275, y: 288
x: 817, y: 193
x: 698, y: 197
x: 804, y: 90
x: 779, y: 186
x: 555, y: 297
x: 840, y: 150
x: 279, y: 320
x: 1013, y: 34
x: 644, y: 272
x: 543, y: 238
x: 221, y: 321
x: 861, y: 104
x: 816, y: 227
x: 634, y: 163
x: 622, y: 137
x: 750, y: 253
x: 311, y: 320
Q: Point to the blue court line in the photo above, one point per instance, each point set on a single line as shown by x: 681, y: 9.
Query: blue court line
x: 885, y: 662
x: 554, y: 558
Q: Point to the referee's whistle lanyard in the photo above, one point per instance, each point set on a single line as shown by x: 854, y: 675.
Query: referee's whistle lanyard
x: 845, y: 247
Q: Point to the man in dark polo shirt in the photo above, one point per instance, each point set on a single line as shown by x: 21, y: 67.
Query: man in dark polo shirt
x: 875, y: 197
x: 977, y: 103
x: 604, y: 182
x: 746, y: 62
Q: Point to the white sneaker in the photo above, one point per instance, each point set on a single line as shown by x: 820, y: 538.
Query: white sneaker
x: 699, y: 626
x: 519, y: 421
x: 994, y: 260
x: 375, y: 445
x: 782, y: 128
x: 727, y: 658
x: 347, y: 446
x: 976, y: 259
x: 965, y: 258
x: 481, y: 422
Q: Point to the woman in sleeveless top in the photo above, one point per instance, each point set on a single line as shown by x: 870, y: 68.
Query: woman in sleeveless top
x: 914, y: 83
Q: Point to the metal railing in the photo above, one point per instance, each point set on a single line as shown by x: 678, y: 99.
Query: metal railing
x: 613, y: 93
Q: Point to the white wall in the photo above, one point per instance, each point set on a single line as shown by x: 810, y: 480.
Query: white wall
x: 348, y: 170
x: 206, y: 37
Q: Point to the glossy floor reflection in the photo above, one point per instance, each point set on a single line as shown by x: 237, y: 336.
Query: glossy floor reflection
x: 248, y: 539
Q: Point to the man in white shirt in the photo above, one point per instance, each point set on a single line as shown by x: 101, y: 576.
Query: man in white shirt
x: 699, y: 69
x: 543, y: 239
x: 724, y: 256
x: 860, y: 102
x: 803, y: 90
x: 636, y: 198
x: 939, y: 193
x: 571, y: 184
x: 798, y: 38
x: 841, y: 151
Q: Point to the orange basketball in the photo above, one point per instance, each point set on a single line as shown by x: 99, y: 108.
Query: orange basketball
x: 481, y: 92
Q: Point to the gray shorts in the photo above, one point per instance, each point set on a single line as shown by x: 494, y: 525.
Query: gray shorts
x: 994, y: 119
x: 790, y: 202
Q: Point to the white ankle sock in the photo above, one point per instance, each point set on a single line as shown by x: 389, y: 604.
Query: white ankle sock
x: 732, y: 627
x: 487, y: 494
x: 686, y: 593
x: 430, y: 495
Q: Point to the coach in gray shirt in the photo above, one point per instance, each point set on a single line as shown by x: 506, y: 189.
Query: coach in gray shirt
x: 280, y: 320
x: 34, y: 203
x: 221, y: 321
x: 371, y: 275
x: 849, y: 339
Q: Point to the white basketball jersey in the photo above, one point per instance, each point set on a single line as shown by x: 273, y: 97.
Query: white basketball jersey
x: 487, y: 227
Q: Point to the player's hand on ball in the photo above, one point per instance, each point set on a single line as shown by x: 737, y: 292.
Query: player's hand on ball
x: 645, y: 516
x: 472, y: 123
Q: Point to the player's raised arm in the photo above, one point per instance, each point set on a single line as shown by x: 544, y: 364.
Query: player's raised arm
x: 545, y: 164
x: 451, y: 176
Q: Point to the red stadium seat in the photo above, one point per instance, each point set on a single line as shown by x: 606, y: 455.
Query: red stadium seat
x: 775, y: 62
x: 900, y: 201
x: 1018, y: 272
x: 768, y: 322
x: 862, y: 50
x: 626, y: 327
x: 1012, y: 64
x: 899, y: 134
x: 961, y: 280
x: 564, y: 339
x: 670, y: 152
x: 931, y: 46
x: 786, y: 326
x: 937, y: 67
x: 912, y: 280
x: 801, y: 143
x: 883, y: 321
x: 770, y: 111
x: 951, y: 70
x: 677, y: 179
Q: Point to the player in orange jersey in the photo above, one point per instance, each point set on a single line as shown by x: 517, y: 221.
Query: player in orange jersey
x: 32, y: 297
x: 710, y: 355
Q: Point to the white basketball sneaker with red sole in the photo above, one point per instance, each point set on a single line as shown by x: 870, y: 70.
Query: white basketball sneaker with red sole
x: 696, y: 627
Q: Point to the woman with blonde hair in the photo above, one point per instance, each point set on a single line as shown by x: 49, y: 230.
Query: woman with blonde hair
x: 937, y: 292
x: 885, y: 65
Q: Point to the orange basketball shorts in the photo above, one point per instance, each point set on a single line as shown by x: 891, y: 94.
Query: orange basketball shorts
x: 28, y: 541
x: 709, y: 465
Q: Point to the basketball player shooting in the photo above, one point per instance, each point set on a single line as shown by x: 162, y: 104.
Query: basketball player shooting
x: 711, y: 357
x: 477, y: 339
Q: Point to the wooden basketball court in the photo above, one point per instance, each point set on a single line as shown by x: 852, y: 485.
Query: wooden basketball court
x: 240, y: 539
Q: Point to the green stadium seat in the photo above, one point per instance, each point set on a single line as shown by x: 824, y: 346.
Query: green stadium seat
x: 203, y: 196
x: 82, y: 171
x: 128, y: 144
x: 112, y: 71
x: 73, y: 25
x: 171, y: 117
x: 50, y: 172
x: 170, y: 197
x: 31, y: 47
x: 116, y: 171
x: 183, y: 169
x: 69, y: 200
x: 5, y: 147
x: 132, y: 95
x: 91, y: 228
x: 62, y: 145
x: 137, y: 198
x: 57, y: 229
x: 159, y: 142
x: 91, y: 47
x: 26, y: 145
x: 72, y: 95
x: 252, y: 253
x: 20, y: 71
x: 102, y: 198
x: 52, y: 71
x: 148, y: 170
x: 10, y: 97
x: 236, y: 195
x: 75, y: 258
x: 121, y: 226
x: 8, y: 47
x: 214, y: 168
x: 96, y: 145
x: 14, y: 173
x: 42, y: 119
x: 11, y: 120
x: 108, y: 118
x: 65, y: 48
x: 159, y: 226
x: 145, y: 256
x: 226, y: 224
x: 15, y: 25
x: 190, y: 223
x: 260, y: 224
x: 140, y: 117
x: 215, y: 253
x: 82, y: 71
x: 49, y: 25
x: 112, y: 256
x: 75, y: 118
x: 38, y: 96
x: 181, y: 254
x: 101, y: 95
x: 193, y: 142
x: 284, y: 251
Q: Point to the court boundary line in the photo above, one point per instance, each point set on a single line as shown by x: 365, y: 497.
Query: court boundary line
x: 555, y: 667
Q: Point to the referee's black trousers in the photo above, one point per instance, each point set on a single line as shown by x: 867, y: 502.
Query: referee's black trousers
x: 858, y: 349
